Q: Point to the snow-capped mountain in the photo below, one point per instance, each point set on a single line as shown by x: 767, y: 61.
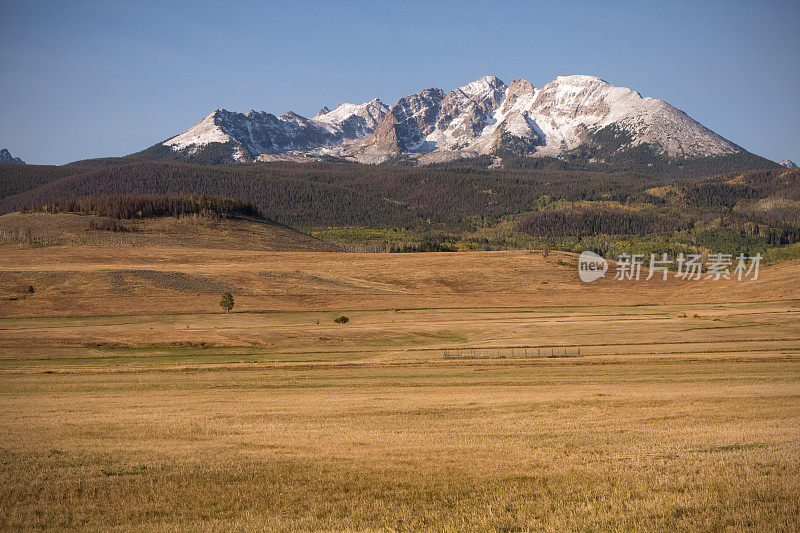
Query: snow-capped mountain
x: 569, y: 114
x: 257, y: 133
x: 6, y: 157
x: 788, y: 163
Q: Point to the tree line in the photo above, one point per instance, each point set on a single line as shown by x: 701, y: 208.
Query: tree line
x: 597, y: 221
x: 129, y: 206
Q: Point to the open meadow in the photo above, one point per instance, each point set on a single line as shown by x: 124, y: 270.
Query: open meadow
x: 128, y: 400
x: 314, y: 266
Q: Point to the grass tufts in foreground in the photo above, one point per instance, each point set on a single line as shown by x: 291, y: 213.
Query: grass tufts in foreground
x: 638, y: 442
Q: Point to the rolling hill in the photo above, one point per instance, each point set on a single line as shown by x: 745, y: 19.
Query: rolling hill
x: 47, y: 229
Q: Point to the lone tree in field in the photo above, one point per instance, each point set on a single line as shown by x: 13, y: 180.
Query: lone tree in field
x: 227, y: 302
x: 341, y: 319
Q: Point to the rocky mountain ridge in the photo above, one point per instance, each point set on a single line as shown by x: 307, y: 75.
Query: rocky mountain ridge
x: 571, y: 113
x: 6, y: 157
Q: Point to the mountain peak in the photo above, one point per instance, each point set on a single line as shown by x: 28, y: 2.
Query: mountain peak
x: 6, y: 157
x: 488, y: 80
x: 481, y: 117
x: 580, y: 79
x: 483, y: 87
x: 788, y: 163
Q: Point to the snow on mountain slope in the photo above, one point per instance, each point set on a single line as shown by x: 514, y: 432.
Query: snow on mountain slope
x: 206, y: 131
x: 403, y: 130
x: 257, y: 132
x: 478, y: 118
x: 568, y: 106
x: 354, y: 121
x: 559, y: 116
x: 467, y: 111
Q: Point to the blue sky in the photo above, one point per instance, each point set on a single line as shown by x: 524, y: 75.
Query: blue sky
x: 92, y: 79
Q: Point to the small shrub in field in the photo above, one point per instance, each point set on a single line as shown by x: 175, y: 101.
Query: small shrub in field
x: 341, y: 319
x: 226, y: 302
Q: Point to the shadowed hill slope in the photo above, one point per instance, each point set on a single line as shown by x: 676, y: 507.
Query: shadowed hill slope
x: 187, y: 231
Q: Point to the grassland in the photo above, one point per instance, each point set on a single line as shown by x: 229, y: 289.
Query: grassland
x: 128, y: 401
x: 47, y: 229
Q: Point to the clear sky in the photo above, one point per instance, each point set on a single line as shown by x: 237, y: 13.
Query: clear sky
x: 91, y: 79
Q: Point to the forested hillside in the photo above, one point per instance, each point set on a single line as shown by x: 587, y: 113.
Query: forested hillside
x: 337, y: 194
x: 453, y: 207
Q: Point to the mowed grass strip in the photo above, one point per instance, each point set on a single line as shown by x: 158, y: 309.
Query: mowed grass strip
x: 422, y: 334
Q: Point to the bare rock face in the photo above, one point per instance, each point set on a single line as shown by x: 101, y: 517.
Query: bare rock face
x: 514, y: 129
x: 349, y: 121
x: 788, y: 163
x: 467, y: 110
x: 415, y: 118
x: 6, y: 157
x: 518, y: 90
x: 482, y: 117
x: 405, y: 128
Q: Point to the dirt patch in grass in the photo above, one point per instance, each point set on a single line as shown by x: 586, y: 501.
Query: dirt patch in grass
x: 170, y: 280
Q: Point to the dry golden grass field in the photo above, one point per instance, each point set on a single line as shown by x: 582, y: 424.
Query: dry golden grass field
x: 128, y: 400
